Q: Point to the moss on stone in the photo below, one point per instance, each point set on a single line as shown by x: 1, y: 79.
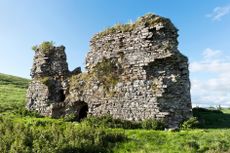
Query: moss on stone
x: 80, y: 81
x: 108, y: 72
x: 154, y: 88
x: 74, y: 80
x: 46, y: 81
x: 43, y: 80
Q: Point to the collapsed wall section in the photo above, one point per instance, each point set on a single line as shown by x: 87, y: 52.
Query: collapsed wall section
x: 47, y: 90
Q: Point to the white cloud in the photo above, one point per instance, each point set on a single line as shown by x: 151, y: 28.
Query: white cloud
x: 211, y: 66
x: 211, y: 93
x: 211, y: 54
x: 219, y: 12
x: 213, y: 61
x: 213, y: 90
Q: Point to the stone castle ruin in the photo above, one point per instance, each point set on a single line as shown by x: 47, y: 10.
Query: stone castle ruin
x: 133, y: 72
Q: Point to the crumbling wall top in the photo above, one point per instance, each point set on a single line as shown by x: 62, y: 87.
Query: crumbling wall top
x: 49, y: 61
x: 148, y: 20
x: 150, y: 37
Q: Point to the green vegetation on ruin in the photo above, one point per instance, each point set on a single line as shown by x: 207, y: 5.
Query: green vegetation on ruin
x: 147, y: 20
x: 107, y: 72
x: 44, y: 46
x: 44, y: 80
x: 154, y: 88
x: 81, y: 81
x: 22, y: 131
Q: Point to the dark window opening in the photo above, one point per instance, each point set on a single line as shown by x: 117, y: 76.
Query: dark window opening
x: 83, y: 112
x: 61, y: 95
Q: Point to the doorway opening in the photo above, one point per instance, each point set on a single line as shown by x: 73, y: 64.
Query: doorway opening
x: 61, y: 95
x: 83, y: 111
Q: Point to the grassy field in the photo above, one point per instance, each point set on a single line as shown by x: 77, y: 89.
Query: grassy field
x: 13, y: 81
x: 25, y: 132
x: 189, y: 141
x: 12, y: 92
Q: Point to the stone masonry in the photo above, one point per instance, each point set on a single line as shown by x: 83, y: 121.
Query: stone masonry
x: 133, y: 72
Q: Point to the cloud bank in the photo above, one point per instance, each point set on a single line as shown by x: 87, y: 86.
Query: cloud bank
x: 214, y: 89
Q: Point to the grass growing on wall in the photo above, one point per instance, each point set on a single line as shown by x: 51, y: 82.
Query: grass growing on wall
x: 44, y: 46
x: 146, y: 20
x: 108, y: 72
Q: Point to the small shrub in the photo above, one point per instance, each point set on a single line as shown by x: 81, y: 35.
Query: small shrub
x: 109, y: 122
x: 34, y: 48
x: 126, y: 124
x: 152, y: 124
x: 102, y: 121
x: 192, y: 145
x: 23, y: 112
x: 44, y: 46
x: 70, y: 117
x: 191, y: 123
x: 111, y: 137
x: 41, y: 123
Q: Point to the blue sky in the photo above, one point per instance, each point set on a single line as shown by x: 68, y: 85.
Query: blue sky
x: 204, y: 35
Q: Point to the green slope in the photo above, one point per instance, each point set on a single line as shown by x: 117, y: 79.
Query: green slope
x: 13, y: 80
x: 12, y: 92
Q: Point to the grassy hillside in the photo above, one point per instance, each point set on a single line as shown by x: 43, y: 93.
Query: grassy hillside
x: 13, y: 81
x: 12, y: 92
x: 24, y: 132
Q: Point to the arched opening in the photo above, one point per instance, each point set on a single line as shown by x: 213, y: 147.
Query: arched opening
x: 83, y: 112
x: 61, y: 95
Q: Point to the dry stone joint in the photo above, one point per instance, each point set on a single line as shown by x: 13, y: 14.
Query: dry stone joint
x: 133, y: 72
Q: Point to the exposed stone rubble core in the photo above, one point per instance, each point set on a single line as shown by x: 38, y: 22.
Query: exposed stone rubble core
x: 133, y: 72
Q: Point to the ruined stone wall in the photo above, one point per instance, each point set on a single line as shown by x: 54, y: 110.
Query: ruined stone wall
x: 133, y: 72
x: 49, y: 73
